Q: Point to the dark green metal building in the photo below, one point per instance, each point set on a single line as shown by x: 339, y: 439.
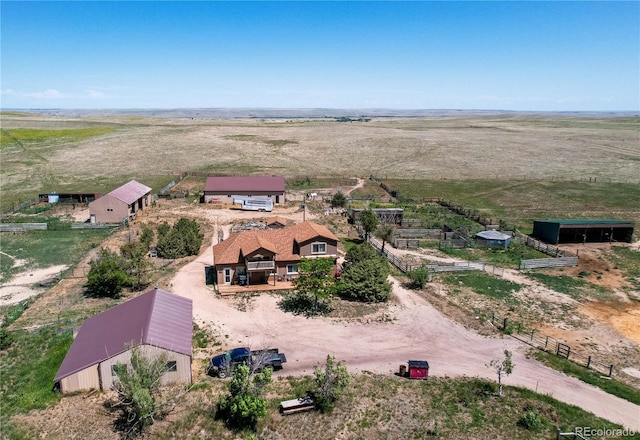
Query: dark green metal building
x: 582, y: 231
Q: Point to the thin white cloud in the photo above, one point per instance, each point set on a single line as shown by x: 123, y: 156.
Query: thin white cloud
x: 48, y: 94
x: 94, y: 94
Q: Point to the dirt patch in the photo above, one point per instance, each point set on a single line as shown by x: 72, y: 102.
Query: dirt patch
x: 624, y: 317
x: 27, y: 284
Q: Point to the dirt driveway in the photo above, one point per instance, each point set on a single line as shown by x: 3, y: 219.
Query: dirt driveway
x: 410, y: 329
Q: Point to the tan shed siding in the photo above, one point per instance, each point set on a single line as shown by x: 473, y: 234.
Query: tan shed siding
x: 99, y: 208
x: 82, y: 380
x: 183, y: 363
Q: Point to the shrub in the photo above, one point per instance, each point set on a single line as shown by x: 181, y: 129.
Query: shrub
x: 330, y: 382
x: 245, y: 404
x: 107, y: 276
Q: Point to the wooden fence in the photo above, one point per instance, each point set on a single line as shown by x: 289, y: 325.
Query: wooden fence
x: 550, y: 344
x: 548, y: 262
x: 545, y: 248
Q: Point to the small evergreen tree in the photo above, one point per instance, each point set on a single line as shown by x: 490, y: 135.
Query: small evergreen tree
x: 181, y: 240
x: 366, y: 280
x: 135, y: 263
x: 338, y: 200
x: 107, y: 275
x: 360, y: 252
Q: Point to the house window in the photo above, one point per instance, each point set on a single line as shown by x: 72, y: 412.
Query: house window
x: 109, y: 209
x: 227, y: 275
x: 292, y: 268
x: 171, y: 366
x: 117, y: 367
x: 319, y: 248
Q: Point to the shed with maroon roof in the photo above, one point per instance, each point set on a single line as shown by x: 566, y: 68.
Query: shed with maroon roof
x: 158, y: 322
x: 121, y: 203
x: 222, y: 189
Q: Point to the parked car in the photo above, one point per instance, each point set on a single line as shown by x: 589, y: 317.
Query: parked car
x: 224, y: 364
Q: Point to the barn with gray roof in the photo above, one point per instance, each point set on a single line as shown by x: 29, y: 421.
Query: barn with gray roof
x: 222, y: 189
x: 121, y: 203
x: 157, y: 321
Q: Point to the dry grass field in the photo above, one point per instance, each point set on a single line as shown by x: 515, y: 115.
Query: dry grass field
x: 98, y: 153
x: 512, y: 166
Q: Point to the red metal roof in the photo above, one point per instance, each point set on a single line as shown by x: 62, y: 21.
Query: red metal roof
x: 157, y: 318
x: 130, y: 192
x: 244, y: 184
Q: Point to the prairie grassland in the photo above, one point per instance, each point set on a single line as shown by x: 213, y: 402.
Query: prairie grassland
x: 506, y: 148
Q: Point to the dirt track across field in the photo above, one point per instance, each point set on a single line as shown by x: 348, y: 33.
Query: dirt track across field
x: 410, y: 329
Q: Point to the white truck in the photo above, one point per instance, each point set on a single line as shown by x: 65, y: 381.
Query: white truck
x: 253, y: 203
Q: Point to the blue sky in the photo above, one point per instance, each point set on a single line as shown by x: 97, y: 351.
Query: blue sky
x: 515, y: 55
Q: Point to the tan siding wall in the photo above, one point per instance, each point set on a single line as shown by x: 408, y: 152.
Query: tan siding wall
x: 99, y: 209
x: 183, y: 362
x: 305, y: 249
x: 82, y: 380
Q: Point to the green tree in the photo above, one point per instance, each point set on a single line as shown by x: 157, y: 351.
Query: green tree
x: 138, y: 391
x: 360, y: 252
x: 419, y: 277
x: 135, y: 263
x: 502, y: 367
x: 181, y: 240
x: 369, y: 222
x: 147, y: 236
x: 330, y: 383
x: 385, y: 233
x: 314, y: 286
x: 366, y: 280
x: 338, y: 200
x: 245, y: 404
x: 107, y: 275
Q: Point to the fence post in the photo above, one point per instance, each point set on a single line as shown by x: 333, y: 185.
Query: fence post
x: 504, y: 324
x: 532, y: 331
x: 546, y: 342
x: 588, y: 361
x: 610, y: 370
x: 493, y: 317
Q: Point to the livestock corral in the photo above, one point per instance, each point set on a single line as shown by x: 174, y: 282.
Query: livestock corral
x: 591, y: 306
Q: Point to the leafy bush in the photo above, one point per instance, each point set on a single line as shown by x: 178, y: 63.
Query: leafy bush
x: 531, y: 420
x: 245, y: 404
x: 138, y: 392
x: 330, y: 382
x: 419, y: 277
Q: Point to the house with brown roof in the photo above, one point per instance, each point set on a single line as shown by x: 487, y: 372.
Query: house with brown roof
x: 270, y: 256
x: 157, y: 321
x: 276, y: 222
x: 222, y: 189
x: 121, y: 203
